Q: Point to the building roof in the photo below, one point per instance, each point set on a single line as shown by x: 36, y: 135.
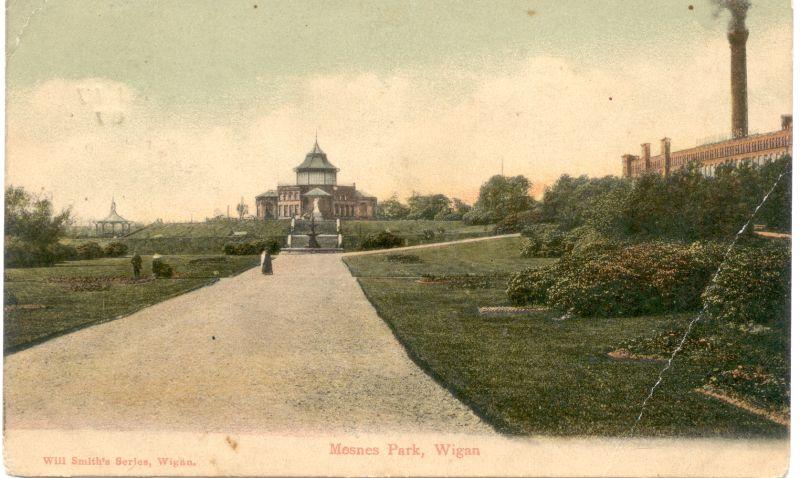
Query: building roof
x: 316, y: 192
x: 316, y: 159
x: 113, y: 216
x: 363, y: 194
x: 269, y: 194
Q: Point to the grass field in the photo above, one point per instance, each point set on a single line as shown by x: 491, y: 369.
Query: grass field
x: 535, y: 374
x: 210, y: 237
x: 255, y: 229
x: 53, y: 300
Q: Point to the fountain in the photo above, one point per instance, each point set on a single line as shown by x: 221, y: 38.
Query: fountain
x: 314, y: 234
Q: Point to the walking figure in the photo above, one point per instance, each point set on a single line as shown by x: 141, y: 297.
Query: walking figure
x: 136, y: 262
x: 266, y: 263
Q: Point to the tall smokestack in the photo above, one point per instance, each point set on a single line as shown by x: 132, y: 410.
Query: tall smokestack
x: 738, y: 41
x: 737, y: 37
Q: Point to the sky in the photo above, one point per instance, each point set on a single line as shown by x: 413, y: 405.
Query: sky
x: 179, y: 109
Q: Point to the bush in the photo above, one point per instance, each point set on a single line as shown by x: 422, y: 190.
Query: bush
x: 548, y: 240
x: 428, y: 234
x: 650, y: 277
x: 543, y: 240
x: 251, y: 248
x: 115, y: 249
x: 753, y: 285
x: 678, y: 274
x: 89, y: 250
x: 477, y: 217
x: 530, y: 286
x: 62, y: 252
x: 32, y: 230
x: 381, y: 240
x: 601, y: 287
x: 587, y: 241
x: 22, y: 253
x: 162, y: 269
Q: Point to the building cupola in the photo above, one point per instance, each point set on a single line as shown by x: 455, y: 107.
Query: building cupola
x: 316, y: 169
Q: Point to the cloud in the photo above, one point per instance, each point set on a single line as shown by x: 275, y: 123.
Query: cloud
x: 439, y: 129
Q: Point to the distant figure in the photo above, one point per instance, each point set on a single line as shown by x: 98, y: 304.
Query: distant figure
x: 136, y: 262
x: 266, y: 263
x: 156, y: 263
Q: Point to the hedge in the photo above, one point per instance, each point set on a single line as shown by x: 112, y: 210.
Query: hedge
x: 251, y: 248
x: 651, y: 277
x: 381, y: 240
x: 753, y: 285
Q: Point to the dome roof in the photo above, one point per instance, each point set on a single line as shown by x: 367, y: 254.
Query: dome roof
x: 113, y: 216
x: 316, y: 159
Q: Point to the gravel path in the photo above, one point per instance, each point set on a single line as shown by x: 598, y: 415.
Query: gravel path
x: 302, y: 350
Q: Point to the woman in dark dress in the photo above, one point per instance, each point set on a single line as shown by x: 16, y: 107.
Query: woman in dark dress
x: 266, y: 263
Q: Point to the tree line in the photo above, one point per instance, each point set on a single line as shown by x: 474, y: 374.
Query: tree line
x: 685, y: 205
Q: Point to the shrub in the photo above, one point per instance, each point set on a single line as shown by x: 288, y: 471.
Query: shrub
x: 601, y: 287
x: 89, y: 250
x: 22, y: 253
x: 428, y: 234
x: 381, y: 240
x: 678, y: 274
x: 587, y: 241
x: 530, y: 286
x: 162, y: 269
x: 32, y: 229
x: 477, y: 217
x: 543, y: 240
x: 517, y: 222
x: 251, y: 248
x: 115, y: 249
x: 753, y: 285
x: 62, y: 252
x: 643, y: 278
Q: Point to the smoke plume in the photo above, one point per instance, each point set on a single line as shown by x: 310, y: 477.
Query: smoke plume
x: 738, y: 10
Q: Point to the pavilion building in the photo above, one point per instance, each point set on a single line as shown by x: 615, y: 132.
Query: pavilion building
x: 113, y: 224
x: 315, y: 182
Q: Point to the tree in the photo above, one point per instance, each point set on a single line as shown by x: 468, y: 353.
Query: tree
x: 242, y: 209
x: 392, y: 209
x: 455, y: 212
x: 428, y: 206
x: 776, y: 213
x: 499, y: 197
x: 32, y: 230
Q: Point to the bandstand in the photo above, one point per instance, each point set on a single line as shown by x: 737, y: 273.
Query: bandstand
x: 112, y: 221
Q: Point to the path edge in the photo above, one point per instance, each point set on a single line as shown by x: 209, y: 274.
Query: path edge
x: 498, y: 426
x: 46, y: 338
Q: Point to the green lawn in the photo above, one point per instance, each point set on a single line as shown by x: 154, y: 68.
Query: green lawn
x: 535, y: 374
x: 210, y: 237
x: 55, y: 300
x: 413, y: 232
x: 223, y: 228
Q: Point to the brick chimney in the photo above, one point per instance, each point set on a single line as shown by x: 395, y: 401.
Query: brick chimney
x: 738, y: 42
x: 666, y: 145
x: 627, y: 165
x: 646, y: 156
